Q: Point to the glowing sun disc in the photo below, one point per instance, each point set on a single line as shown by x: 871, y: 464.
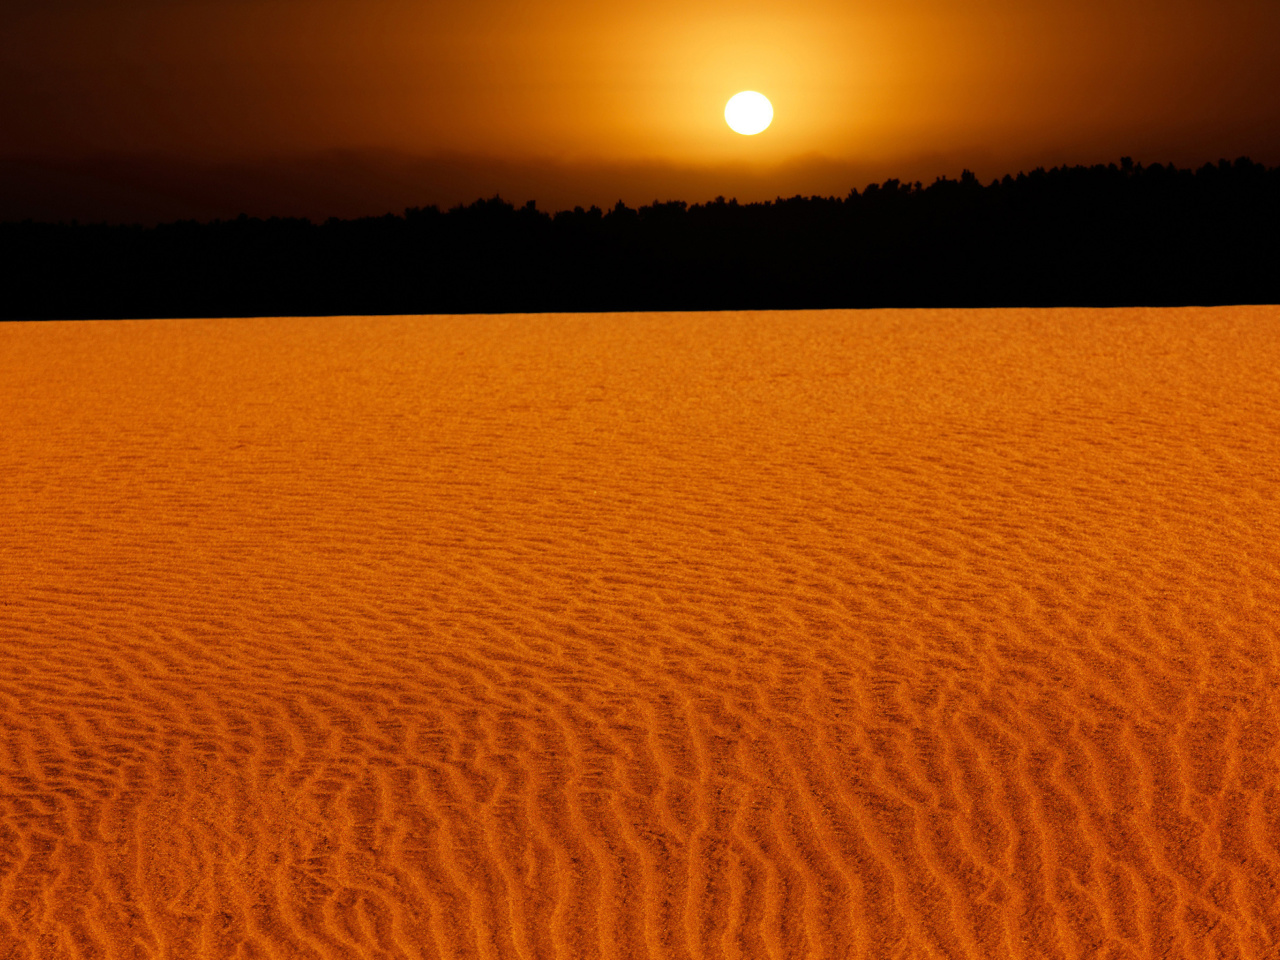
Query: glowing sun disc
x: 748, y: 112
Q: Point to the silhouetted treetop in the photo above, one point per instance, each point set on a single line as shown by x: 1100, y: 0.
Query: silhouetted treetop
x: 1107, y: 234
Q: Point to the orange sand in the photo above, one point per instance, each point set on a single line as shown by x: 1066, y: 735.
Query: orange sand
x: 768, y: 636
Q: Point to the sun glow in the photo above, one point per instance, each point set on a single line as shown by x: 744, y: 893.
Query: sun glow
x: 748, y: 112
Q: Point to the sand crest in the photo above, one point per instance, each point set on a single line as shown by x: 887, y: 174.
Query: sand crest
x: 764, y: 636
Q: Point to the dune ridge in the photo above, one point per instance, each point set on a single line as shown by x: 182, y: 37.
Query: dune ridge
x: 757, y: 636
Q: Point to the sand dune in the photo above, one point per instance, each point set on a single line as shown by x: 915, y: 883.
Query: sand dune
x: 745, y: 636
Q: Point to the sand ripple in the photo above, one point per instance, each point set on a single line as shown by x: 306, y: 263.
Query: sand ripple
x: 762, y: 636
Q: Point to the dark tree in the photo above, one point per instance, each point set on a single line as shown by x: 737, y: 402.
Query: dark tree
x: 1101, y: 235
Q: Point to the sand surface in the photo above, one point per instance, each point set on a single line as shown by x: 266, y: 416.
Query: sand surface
x: 762, y: 636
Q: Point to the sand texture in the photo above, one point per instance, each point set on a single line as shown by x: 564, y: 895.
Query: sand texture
x: 788, y: 636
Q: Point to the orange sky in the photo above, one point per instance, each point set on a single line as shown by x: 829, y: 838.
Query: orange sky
x: 990, y: 84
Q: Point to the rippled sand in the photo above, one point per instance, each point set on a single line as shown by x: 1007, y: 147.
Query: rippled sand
x: 794, y: 635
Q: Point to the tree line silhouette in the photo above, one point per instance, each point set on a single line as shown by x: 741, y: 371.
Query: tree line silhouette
x: 1106, y: 235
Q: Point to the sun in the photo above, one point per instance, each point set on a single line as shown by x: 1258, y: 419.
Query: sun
x: 748, y: 112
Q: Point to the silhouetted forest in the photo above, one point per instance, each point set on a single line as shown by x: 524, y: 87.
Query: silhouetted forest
x: 1071, y: 236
